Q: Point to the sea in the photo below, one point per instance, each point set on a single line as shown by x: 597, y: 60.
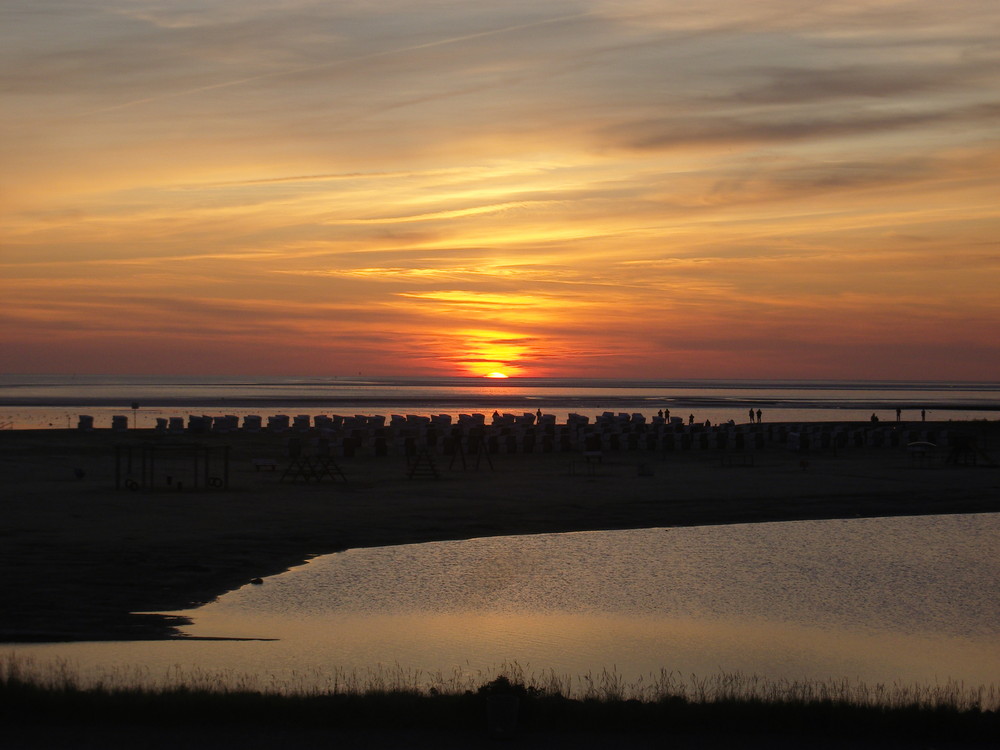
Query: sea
x: 57, y: 401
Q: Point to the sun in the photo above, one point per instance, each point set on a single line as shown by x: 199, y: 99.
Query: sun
x: 495, y: 375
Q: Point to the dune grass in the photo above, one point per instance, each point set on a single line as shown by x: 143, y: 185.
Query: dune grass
x: 394, y: 697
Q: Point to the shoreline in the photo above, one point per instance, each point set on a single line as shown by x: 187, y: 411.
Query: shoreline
x: 79, y: 556
x: 426, y: 402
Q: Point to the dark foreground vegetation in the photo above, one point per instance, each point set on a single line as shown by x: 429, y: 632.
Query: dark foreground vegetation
x: 498, y: 710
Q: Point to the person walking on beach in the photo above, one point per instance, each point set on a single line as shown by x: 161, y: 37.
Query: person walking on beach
x: 691, y: 419
x: 538, y: 414
x: 899, y: 415
x: 758, y: 416
x: 666, y: 415
x: 751, y: 416
x: 923, y: 415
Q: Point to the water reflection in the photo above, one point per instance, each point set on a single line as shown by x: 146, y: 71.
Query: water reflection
x: 881, y: 600
x: 911, y: 575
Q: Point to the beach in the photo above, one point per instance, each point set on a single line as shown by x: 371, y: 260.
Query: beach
x: 81, y: 556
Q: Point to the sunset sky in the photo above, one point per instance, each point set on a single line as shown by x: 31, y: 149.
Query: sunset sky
x: 602, y: 188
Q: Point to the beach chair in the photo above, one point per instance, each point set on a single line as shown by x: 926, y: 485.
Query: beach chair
x: 278, y: 423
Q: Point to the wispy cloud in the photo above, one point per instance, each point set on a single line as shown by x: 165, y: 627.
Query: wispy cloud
x: 578, y: 187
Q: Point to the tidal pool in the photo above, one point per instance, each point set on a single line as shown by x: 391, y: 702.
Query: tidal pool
x: 890, y: 600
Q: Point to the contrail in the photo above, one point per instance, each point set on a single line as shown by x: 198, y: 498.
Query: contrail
x: 337, y: 63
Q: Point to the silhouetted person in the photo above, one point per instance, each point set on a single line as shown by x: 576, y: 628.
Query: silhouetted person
x: 758, y: 416
x: 874, y: 418
x: 751, y: 416
x: 538, y: 414
x: 691, y: 419
x: 708, y: 422
x: 923, y: 415
x: 496, y: 417
x: 899, y: 415
x: 660, y: 413
x: 666, y: 414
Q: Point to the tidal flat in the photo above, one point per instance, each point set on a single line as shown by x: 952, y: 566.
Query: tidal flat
x: 80, y: 557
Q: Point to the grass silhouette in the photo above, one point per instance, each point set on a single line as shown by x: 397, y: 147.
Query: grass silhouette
x: 395, y: 698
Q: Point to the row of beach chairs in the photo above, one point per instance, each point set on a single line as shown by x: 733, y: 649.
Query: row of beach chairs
x: 522, y: 432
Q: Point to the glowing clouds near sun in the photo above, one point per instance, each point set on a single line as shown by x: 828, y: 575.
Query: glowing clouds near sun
x: 489, y: 353
x: 626, y: 189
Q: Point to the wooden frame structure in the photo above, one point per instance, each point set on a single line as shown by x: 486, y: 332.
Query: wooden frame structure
x: 193, y: 466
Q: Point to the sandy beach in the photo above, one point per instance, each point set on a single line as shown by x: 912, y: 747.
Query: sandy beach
x: 79, y: 556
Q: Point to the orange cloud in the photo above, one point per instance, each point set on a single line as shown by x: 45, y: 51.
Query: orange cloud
x: 637, y: 190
